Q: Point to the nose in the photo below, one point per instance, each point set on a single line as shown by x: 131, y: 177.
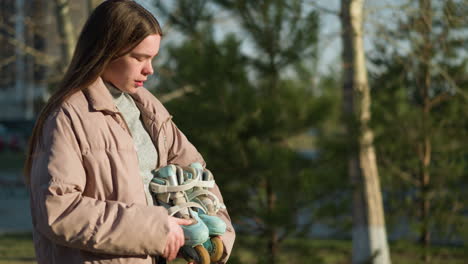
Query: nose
x: 148, y: 69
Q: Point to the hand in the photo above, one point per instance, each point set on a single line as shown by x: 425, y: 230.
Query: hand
x: 175, y: 237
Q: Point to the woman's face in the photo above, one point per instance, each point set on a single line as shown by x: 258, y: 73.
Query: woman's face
x: 130, y: 71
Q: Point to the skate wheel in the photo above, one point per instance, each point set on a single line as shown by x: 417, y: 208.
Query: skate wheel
x: 218, y: 249
x: 203, y: 256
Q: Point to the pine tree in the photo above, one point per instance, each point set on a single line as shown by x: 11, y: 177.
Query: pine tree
x: 421, y: 116
x: 246, y: 106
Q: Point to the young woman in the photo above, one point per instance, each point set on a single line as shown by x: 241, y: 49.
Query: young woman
x: 95, y: 144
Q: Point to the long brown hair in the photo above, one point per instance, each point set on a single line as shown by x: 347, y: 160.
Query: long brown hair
x: 113, y: 29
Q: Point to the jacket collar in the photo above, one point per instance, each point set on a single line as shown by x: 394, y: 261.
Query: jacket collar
x: 99, y: 97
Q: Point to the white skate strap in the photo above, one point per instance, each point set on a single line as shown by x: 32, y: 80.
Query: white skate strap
x: 196, y: 193
x: 205, y: 184
x: 174, y: 209
x: 158, y: 188
x: 218, y: 205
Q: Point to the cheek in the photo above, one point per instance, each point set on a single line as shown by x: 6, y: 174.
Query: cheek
x: 120, y: 67
x: 129, y: 69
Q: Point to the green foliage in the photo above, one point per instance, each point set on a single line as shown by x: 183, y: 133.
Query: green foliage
x: 247, y: 106
x: 405, y: 114
x: 330, y: 187
x: 241, y: 132
x: 249, y: 102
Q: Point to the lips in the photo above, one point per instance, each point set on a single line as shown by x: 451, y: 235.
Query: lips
x: 139, y: 83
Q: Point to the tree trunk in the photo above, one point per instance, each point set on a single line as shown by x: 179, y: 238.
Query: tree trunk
x: 424, y: 82
x: 20, y: 67
x: 29, y: 77
x: 65, y: 29
x: 369, y: 233
x: 92, y: 4
x: 273, y: 246
x: 272, y: 233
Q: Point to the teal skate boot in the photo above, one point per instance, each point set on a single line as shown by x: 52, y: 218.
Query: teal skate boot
x: 169, y: 187
x: 211, y: 205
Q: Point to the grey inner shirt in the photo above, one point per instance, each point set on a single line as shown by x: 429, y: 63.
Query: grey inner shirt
x: 146, y: 151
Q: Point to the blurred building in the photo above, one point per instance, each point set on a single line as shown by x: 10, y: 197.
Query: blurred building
x: 22, y: 75
x: 30, y: 53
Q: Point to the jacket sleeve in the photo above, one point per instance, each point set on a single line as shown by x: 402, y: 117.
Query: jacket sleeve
x: 182, y: 152
x: 62, y: 214
x: 230, y: 236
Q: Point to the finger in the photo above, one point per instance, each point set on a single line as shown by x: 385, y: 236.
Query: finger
x: 165, y: 252
x: 171, y: 245
x: 181, y: 238
x: 182, y: 235
x: 168, y: 251
x: 181, y: 242
x: 174, y: 251
x: 181, y: 221
x: 174, y: 255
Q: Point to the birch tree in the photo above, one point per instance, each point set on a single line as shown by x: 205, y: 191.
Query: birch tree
x: 369, y: 232
x: 65, y: 29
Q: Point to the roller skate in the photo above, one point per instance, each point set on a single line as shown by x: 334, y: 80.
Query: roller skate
x: 169, y: 187
x: 210, y: 206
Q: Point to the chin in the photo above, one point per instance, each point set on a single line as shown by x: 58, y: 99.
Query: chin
x: 133, y: 90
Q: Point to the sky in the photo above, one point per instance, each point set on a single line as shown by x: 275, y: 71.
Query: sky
x: 377, y: 11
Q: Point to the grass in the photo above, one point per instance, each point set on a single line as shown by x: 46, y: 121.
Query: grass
x: 18, y: 249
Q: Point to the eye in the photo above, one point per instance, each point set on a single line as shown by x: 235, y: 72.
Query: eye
x: 138, y: 58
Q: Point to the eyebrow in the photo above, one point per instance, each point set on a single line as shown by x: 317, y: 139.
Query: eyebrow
x: 142, y: 55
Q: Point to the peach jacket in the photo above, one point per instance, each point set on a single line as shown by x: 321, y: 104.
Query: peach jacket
x: 87, y: 199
